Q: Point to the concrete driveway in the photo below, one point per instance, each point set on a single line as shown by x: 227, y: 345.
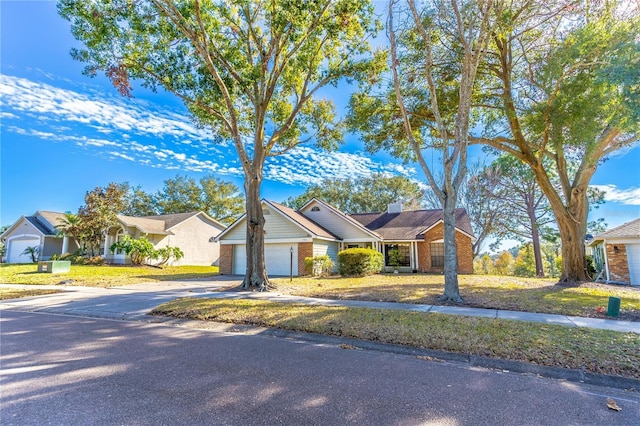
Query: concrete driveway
x: 69, y: 370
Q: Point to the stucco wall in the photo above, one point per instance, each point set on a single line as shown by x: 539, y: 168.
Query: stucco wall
x: 195, y: 239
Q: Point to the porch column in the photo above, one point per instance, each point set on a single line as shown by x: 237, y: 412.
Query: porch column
x: 412, y: 260
x: 417, y: 264
x: 106, y: 245
x: 65, y: 244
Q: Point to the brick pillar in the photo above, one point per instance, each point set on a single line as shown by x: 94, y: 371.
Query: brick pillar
x: 304, y: 250
x: 226, y: 259
x: 618, y: 264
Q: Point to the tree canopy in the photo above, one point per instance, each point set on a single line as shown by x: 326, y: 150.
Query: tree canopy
x: 563, y: 93
x: 250, y: 70
x: 363, y: 195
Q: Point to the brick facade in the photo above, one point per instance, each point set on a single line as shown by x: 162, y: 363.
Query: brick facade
x: 226, y: 259
x: 464, y: 249
x: 618, y: 265
x: 304, y: 250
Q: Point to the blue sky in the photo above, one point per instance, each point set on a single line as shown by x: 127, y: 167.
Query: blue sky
x: 63, y: 134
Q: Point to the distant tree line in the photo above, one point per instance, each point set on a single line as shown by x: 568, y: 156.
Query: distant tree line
x: 220, y: 200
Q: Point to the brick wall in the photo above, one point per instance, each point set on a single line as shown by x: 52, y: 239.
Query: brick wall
x: 304, y: 250
x: 226, y: 259
x: 463, y: 244
x: 618, y: 264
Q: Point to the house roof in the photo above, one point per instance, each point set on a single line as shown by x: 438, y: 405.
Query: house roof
x: 162, y: 224
x: 626, y: 230
x: 409, y: 225
x: 303, y: 221
x: 44, y: 221
x: 342, y: 215
x: 297, y: 218
x: 147, y: 225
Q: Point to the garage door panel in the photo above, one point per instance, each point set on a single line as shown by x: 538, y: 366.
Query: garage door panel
x: 17, y: 247
x: 633, y: 259
x: 277, y: 258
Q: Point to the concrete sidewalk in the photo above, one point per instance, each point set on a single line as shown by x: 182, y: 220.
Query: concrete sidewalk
x: 571, y: 321
x: 135, y: 301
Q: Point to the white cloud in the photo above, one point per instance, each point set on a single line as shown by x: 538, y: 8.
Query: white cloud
x: 137, y: 131
x: 629, y: 196
x: 52, y: 103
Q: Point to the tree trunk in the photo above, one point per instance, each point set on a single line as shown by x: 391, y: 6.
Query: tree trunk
x: 451, y: 289
x: 572, y: 236
x: 535, y: 238
x: 256, y: 275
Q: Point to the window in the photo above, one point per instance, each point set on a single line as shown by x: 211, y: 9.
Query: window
x: 437, y: 255
x: 352, y: 246
x: 315, y: 209
x: 404, y: 250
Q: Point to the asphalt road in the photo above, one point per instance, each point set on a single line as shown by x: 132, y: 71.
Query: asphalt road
x: 70, y: 370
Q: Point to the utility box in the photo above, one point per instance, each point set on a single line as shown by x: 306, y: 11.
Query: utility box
x: 54, y: 266
x: 613, y: 309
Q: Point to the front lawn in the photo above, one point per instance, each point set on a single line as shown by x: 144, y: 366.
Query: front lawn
x: 104, y: 275
x: 597, y: 351
x: 482, y: 291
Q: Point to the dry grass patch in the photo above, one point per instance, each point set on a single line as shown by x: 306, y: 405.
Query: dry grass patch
x: 481, y: 291
x: 598, y: 351
x: 13, y: 293
x: 103, y: 275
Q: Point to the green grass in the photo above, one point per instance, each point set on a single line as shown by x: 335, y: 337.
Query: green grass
x: 14, y: 293
x: 597, y: 351
x: 482, y: 291
x: 103, y: 276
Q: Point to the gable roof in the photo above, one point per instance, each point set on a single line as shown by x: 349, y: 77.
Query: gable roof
x: 162, y: 224
x: 626, y: 230
x: 303, y: 221
x: 298, y: 219
x: 44, y: 221
x: 341, y: 215
x: 410, y: 225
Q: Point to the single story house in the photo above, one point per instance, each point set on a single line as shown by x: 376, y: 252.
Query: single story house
x: 616, y: 252
x: 194, y: 233
x: 320, y: 229
x: 38, y: 230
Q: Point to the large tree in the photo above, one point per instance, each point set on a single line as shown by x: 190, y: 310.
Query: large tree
x: 435, y: 51
x: 566, y: 92
x: 101, y: 205
x: 363, y: 195
x: 249, y: 69
x: 513, y: 185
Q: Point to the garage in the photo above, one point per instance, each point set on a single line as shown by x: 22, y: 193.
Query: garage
x: 277, y: 259
x: 16, y: 247
x: 633, y: 259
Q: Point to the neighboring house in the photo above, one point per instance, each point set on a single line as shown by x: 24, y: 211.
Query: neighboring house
x: 616, y: 252
x: 194, y: 233
x: 38, y: 230
x: 318, y: 229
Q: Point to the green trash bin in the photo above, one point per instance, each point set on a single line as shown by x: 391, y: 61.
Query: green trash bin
x: 613, y: 309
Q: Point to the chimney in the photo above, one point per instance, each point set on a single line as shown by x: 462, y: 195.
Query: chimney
x: 394, y: 208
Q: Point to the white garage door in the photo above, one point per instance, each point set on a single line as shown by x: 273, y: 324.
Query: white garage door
x: 15, y: 248
x: 633, y: 258
x: 277, y: 259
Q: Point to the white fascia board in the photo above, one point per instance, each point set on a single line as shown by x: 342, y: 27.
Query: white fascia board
x: 622, y: 240
x: 274, y: 240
